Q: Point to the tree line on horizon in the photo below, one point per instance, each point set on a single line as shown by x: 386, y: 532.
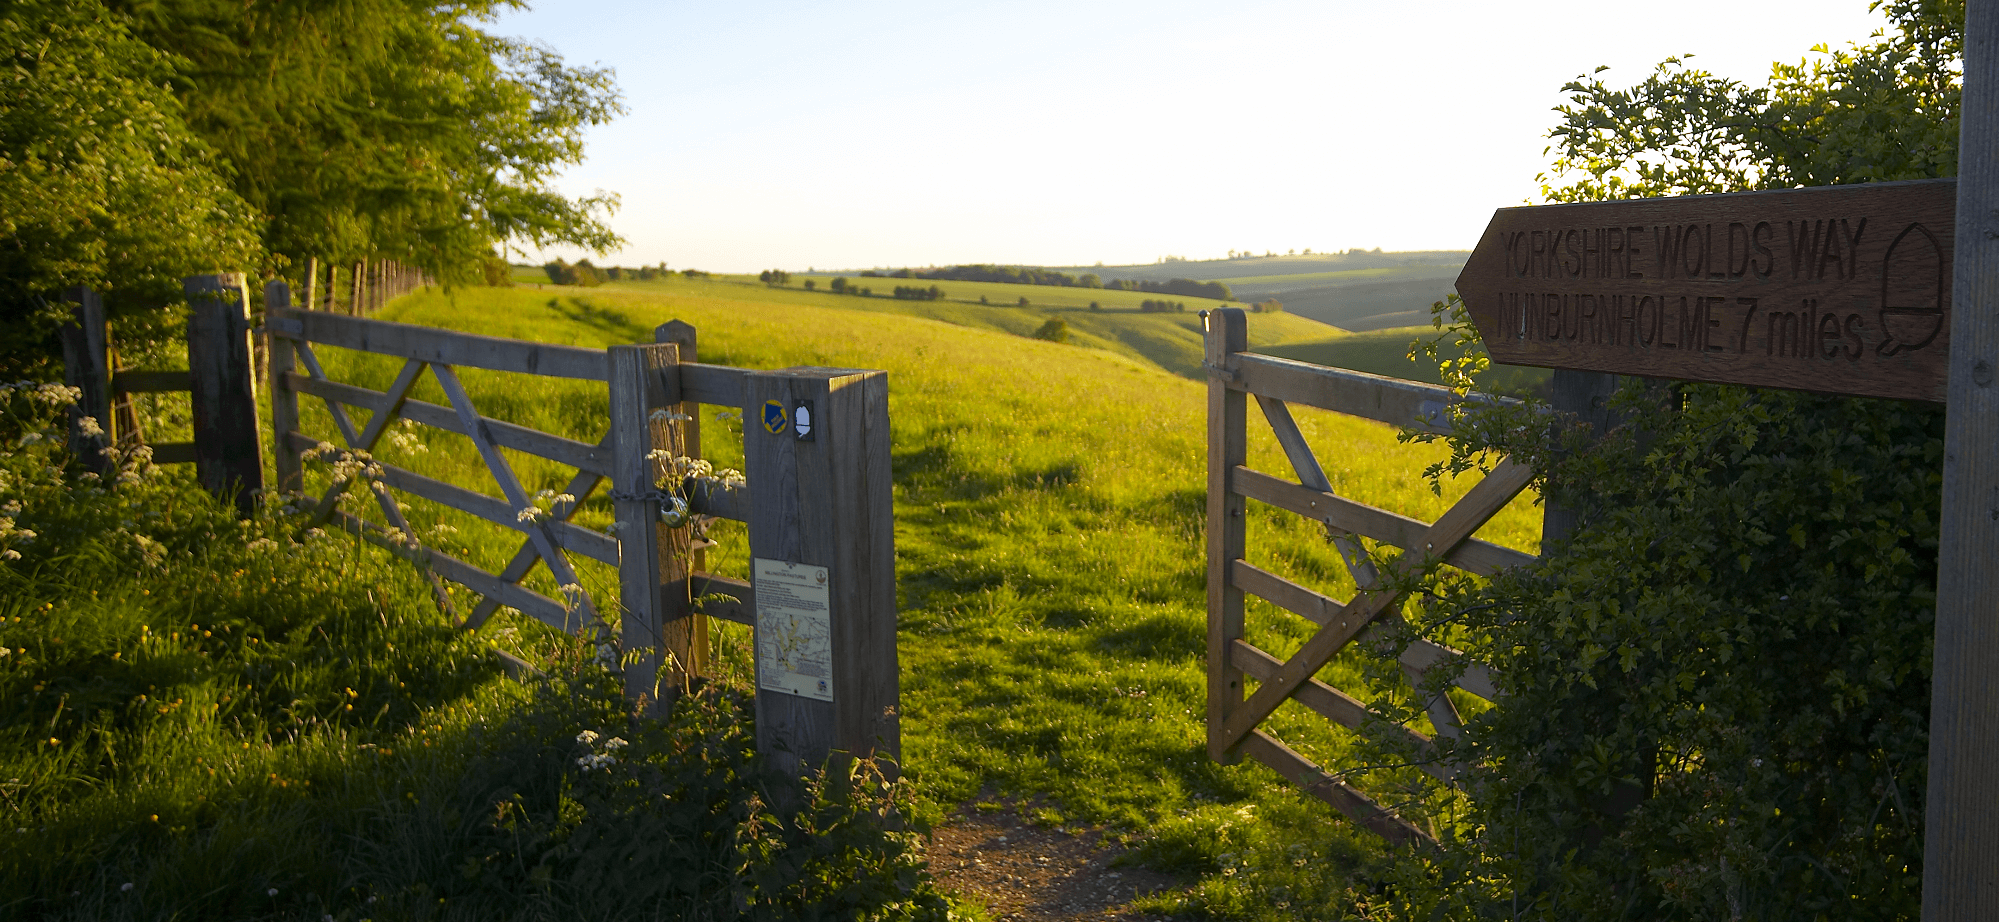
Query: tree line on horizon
x: 581, y: 272
x: 1035, y: 275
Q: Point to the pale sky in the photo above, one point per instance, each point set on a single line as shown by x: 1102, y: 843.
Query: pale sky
x: 880, y: 133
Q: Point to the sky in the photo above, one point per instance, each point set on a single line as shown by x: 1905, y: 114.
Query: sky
x: 875, y: 133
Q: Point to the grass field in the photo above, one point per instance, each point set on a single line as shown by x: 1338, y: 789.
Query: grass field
x: 1048, y: 505
x: 1165, y: 340
x: 1049, y: 558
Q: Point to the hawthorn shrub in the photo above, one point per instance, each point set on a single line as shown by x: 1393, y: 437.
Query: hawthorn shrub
x: 1716, y: 693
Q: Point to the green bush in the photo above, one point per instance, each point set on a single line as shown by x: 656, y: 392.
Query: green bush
x: 496, y: 272
x: 1056, y: 330
x: 216, y: 718
x: 1716, y: 693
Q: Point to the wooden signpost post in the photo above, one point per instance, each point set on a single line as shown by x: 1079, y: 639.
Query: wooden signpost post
x: 1878, y: 290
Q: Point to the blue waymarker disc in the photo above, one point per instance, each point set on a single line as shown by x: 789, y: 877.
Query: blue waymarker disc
x: 774, y: 417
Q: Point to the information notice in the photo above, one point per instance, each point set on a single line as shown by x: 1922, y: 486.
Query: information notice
x: 794, y: 629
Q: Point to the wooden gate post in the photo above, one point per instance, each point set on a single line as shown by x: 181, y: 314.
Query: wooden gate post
x: 83, y: 344
x: 682, y: 335
x: 652, y: 558
x: 1228, y: 416
x: 822, y: 568
x: 1587, y: 396
x: 281, y: 355
x: 1961, y: 841
x: 226, y: 459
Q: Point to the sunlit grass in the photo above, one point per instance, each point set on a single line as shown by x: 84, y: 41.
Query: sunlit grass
x: 1049, y: 508
x: 1049, y: 531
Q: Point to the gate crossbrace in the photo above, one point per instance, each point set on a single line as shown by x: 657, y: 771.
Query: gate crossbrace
x: 540, y: 544
x: 1444, y: 715
x: 378, y: 423
x: 1481, y: 503
x: 580, y: 486
x: 575, y: 599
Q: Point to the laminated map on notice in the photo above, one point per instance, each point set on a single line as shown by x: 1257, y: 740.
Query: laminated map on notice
x: 794, y: 630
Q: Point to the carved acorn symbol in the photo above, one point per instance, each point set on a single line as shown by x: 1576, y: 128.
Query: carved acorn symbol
x: 1912, y: 308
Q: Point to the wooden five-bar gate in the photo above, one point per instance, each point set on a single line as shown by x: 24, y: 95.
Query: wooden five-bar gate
x: 1233, y: 719
x: 817, y: 496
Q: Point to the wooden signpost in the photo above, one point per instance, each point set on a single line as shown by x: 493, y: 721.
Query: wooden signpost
x: 1836, y: 289
x: 1859, y: 290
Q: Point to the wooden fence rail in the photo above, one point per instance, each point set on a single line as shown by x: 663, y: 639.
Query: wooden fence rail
x: 1233, y: 717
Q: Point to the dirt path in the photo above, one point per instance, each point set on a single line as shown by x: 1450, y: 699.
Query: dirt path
x: 1021, y: 871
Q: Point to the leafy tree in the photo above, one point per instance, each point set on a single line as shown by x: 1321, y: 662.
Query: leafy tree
x: 104, y: 181
x: 1055, y: 330
x: 1717, y: 690
x: 1023, y: 302
x: 142, y: 142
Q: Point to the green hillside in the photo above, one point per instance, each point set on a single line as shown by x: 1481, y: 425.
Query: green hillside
x: 1248, y: 266
x: 1355, y: 290
x: 1049, y: 544
x: 1167, y: 340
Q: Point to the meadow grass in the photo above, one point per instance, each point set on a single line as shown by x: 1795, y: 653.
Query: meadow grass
x: 1049, y: 506
x: 1167, y: 340
x: 1049, y: 509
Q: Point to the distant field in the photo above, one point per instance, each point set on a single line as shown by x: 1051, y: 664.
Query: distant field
x: 1358, y: 291
x: 1385, y: 352
x: 1343, y: 277
x: 1166, y: 340
x: 1251, y: 266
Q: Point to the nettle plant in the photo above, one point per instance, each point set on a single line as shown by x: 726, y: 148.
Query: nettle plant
x: 1715, y: 693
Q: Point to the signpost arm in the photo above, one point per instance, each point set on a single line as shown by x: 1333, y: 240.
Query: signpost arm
x: 1961, y: 841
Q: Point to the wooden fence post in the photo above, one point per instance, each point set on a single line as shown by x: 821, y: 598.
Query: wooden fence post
x: 682, y: 335
x: 84, y: 349
x: 309, y: 302
x: 1228, y: 417
x: 1587, y: 396
x: 279, y: 351
x: 224, y: 393
x: 823, y: 572
x: 354, y: 296
x: 651, y: 556
x: 1961, y: 841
